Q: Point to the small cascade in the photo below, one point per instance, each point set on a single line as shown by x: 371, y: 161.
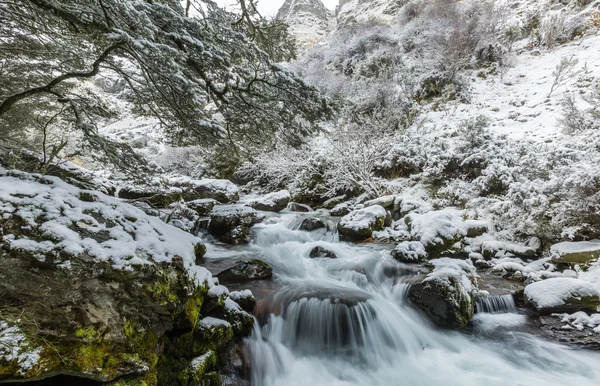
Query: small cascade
x: 496, y: 304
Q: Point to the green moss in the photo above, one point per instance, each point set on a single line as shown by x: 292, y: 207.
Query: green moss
x: 195, y: 373
x: 193, y: 307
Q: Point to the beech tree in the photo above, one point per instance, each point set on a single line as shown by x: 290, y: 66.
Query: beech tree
x: 211, y: 77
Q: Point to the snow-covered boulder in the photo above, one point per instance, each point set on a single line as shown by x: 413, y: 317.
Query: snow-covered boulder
x: 385, y: 201
x: 155, y: 196
x: 447, y: 294
x: 230, y: 223
x: 437, y: 230
x: 202, y: 206
x: 223, y: 191
x: 272, y: 202
x: 89, y: 282
x: 341, y: 209
x: 575, y: 252
x: 360, y: 224
x: 562, y: 294
x: 409, y: 252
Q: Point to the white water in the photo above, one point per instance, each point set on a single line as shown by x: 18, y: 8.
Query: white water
x: 346, y: 321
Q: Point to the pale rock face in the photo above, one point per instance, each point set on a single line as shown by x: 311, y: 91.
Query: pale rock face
x: 351, y: 12
x: 309, y: 21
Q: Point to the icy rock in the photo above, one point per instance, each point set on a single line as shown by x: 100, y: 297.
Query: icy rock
x: 272, y: 202
x: 360, y: 224
x: 575, y: 252
x: 561, y: 294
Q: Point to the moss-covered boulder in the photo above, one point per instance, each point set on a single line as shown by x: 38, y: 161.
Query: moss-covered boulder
x: 96, y: 289
x: 447, y: 294
x: 360, y: 224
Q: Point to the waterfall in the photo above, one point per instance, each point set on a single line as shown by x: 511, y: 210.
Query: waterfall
x: 346, y: 322
x: 496, y: 304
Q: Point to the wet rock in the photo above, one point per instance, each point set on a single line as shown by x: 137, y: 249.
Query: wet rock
x: 297, y: 207
x: 230, y: 223
x: 360, y: 224
x: 576, y: 252
x: 320, y: 252
x: 555, y: 327
x: 246, y: 271
x: 272, y: 202
x: 447, y: 294
x: 312, y: 223
x: 409, y: 252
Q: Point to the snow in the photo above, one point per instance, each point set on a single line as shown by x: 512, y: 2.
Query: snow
x: 579, y: 320
x: 384, y: 201
x: 433, y: 228
x: 210, y: 322
x: 218, y: 291
x: 273, y: 198
x: 565, y: 249
x: 411, y: 250
x: 15, y: 347
x: 363, y: 218
x: 555, y: 292
x: 228, y: 188
x: 126, y: 237
x: 446, y: 268
x: 239, y: 295
x: 233, y: 210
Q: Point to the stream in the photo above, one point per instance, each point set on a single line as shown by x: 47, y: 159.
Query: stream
x: 347, y: 321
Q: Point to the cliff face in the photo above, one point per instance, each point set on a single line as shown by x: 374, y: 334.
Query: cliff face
x: 309, y: 20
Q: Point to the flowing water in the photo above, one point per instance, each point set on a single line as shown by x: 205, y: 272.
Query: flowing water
x: 346, y: 321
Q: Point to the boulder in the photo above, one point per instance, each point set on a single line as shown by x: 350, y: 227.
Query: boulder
x: 223, y: 191
x: 447, y: 294
x: 340, y: 209
x: 438, y: 230
x: 246, y: 271
x: 272, y: 202
x: 156, y: 197
x: 312, y: 223
x: 203, y: 206
x: 409, y: 252
x: 579, y: 252
x: 360, y: 224
x: 230, y: 223
x: 97, y: 290
x: 320, y: 252
x: 297, y: 207
x: 562, y: 294
x: 386, y: 201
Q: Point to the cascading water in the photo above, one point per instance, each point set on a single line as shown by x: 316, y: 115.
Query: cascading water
x: 497, y: 304
x: 346, y: 321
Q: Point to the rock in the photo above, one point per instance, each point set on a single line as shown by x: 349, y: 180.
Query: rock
x: 203, y: 206
x: 579, y: 252
x: 340, y: 209
x: 562, y: 294
x: 230, y: 223
x: 159, y: 198
x: 318, y: 252
x: 476, y: 228
x: 409, y: 252
x: 246, y: 271
x: 297, y: 207
x: 437, y: 230
x: 332, y: 202
x: 360, y: 224
x: 312, y: 223
x: 272, y: 202
x: 385, y: 201
x: 99, y: 290
x: 223, y: 191
x: 245, y: 299
x: 447, y: 294
x: 490, y: 248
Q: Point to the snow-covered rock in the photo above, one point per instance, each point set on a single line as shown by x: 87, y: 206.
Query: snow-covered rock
x: 562, y: 295
x: 385, y: 201
x: 223, y: 191
x: 447, y: 294
x: 437, y: 230
x: 272, y: 202
x: 409, y: 252
x: 360, y: 224
x: 230, y: 223
x: 341, y: 209
x: 575, y: 252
